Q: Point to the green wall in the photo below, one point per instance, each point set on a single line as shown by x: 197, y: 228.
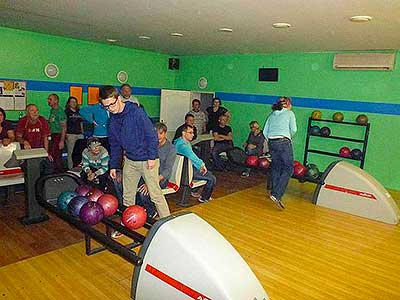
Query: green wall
x: 24, y: 54
x: 307, y: 75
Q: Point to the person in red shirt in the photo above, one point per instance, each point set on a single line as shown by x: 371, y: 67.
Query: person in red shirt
x: 33, y: 130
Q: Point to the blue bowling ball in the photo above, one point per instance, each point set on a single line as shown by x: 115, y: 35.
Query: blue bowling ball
x: 63, y: 199
x: 75, y: 205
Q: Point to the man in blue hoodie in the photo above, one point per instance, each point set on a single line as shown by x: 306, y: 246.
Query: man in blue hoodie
x: 131, y: 133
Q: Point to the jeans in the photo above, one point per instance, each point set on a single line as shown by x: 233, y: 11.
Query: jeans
x: 282, y: 165
x: 211, y: 181
x: 219, y: 148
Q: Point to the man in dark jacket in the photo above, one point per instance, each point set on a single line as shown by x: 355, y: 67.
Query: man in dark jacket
x: 131, y: 132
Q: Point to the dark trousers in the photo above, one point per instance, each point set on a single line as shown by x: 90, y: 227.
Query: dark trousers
x: 211, y: 181
x: 282, y: 165
x: 56, y: 152
x: 219, y: 148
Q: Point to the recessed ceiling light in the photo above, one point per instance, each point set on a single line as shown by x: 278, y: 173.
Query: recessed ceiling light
x: 176, y: 34
x: 360, y: 19
x: 225, y: 29
x: 281, y: 25
x: 111, y: 40
x: 144, y: 37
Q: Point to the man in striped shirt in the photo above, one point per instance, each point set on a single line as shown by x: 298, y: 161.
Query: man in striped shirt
x: 95, y: 163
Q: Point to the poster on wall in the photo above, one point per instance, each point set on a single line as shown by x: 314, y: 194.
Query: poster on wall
x: 76, y: 91
x: 93, y: 95
x: 12, y: 95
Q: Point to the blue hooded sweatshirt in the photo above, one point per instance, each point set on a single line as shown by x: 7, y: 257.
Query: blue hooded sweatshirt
x: 132, y: 131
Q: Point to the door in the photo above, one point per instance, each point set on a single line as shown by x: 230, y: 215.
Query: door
x: 174, y: 105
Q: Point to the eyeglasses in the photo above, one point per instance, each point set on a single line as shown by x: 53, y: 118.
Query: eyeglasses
x: 111, y: 104
x: 190, y: 132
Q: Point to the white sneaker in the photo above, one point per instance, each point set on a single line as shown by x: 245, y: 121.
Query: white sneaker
x: 277, y: 202
x: 116, y: 234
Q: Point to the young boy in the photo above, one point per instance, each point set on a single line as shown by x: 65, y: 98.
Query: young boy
x: 95, y: 164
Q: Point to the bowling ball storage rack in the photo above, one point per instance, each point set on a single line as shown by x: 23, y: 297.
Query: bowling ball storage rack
x: 307, y: 150
x: 48, y: 200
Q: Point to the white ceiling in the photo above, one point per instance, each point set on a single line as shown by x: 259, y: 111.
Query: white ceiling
x: 317, y: 25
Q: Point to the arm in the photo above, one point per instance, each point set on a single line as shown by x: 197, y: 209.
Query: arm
x: 292, y: 124
x: 186, y: 150
x: 104, y: 164
x: 85, y: 162
x: 150, y: 135
x: 115, y: 148
x: 167, y: 164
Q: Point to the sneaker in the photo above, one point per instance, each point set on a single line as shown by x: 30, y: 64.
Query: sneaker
x: 277, y: 202
x: 116, y: 234
x: 245, y: 174
x: 204, y: 200
x: 195, y: 194
x: 154, y: 215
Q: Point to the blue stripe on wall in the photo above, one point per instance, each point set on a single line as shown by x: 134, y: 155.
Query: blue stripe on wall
x: 54, y: 86
x: 340, y: 105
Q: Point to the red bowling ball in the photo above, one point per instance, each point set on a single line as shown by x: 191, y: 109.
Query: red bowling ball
x: 345, y: 152
x: 134, y: 217
x: 94, y: 194
x: 252, y: 160
x: 109, y: 203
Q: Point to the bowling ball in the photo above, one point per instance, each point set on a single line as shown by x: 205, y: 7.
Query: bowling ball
x: 344, y: 152
x: 91, y: 213
x: 316, y: 115
x: 64, y: 198
x: 312, y: 171
x: 252, y: 160
x: 325, y: 131
x: 338, y: 117
x: 82, y: 190
x: 296, y: 163
x: 134, y: 217
x: 356, y: 154
x: 315, y: 130
x: 109, y: 203
x: 299, y: 170
x: 94, y: 194
x: 75, y: 205
x: 362, y: 119
x: 263, y: 163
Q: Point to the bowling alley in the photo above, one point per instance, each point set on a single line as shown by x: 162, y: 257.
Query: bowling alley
x: 217, y: 150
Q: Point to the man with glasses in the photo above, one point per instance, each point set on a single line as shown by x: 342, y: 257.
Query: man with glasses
x: 184, y: 147
x: 132, y: 133
x: 254, y: 144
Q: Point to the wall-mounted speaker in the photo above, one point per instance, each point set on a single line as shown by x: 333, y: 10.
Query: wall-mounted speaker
x: 173, y: 63
x: 268, y: 74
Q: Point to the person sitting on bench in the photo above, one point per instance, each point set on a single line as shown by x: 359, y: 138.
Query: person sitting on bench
x: 184, y: 147
x: 254, y: 144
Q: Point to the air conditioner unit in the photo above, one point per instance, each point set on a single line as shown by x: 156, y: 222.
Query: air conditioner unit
x: 364, y: 61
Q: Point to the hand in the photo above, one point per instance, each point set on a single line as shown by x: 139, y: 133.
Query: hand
x: 113, y: 174
x: 91, y: 176
x: 251, y: 146
x: 61, y: 145
x: 94, y: 123
x: 50, y: 158
x: 203, y: 170
x: 151, y: 163
x: 27, y: 145
x: 6, y: 141
x: 143, y: 189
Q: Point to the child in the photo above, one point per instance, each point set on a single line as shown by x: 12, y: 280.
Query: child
x: 95, y: 164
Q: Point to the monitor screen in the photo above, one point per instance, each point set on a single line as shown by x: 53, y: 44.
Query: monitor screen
x: 268, y: 74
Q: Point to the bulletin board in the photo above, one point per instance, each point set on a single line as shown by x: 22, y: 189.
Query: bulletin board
x: 93, y: 95
x: 76, y: 91
x: 12, y: 95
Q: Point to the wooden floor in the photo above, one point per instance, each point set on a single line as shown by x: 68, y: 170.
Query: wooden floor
x: 305, y: 252
x: 18, y: 242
